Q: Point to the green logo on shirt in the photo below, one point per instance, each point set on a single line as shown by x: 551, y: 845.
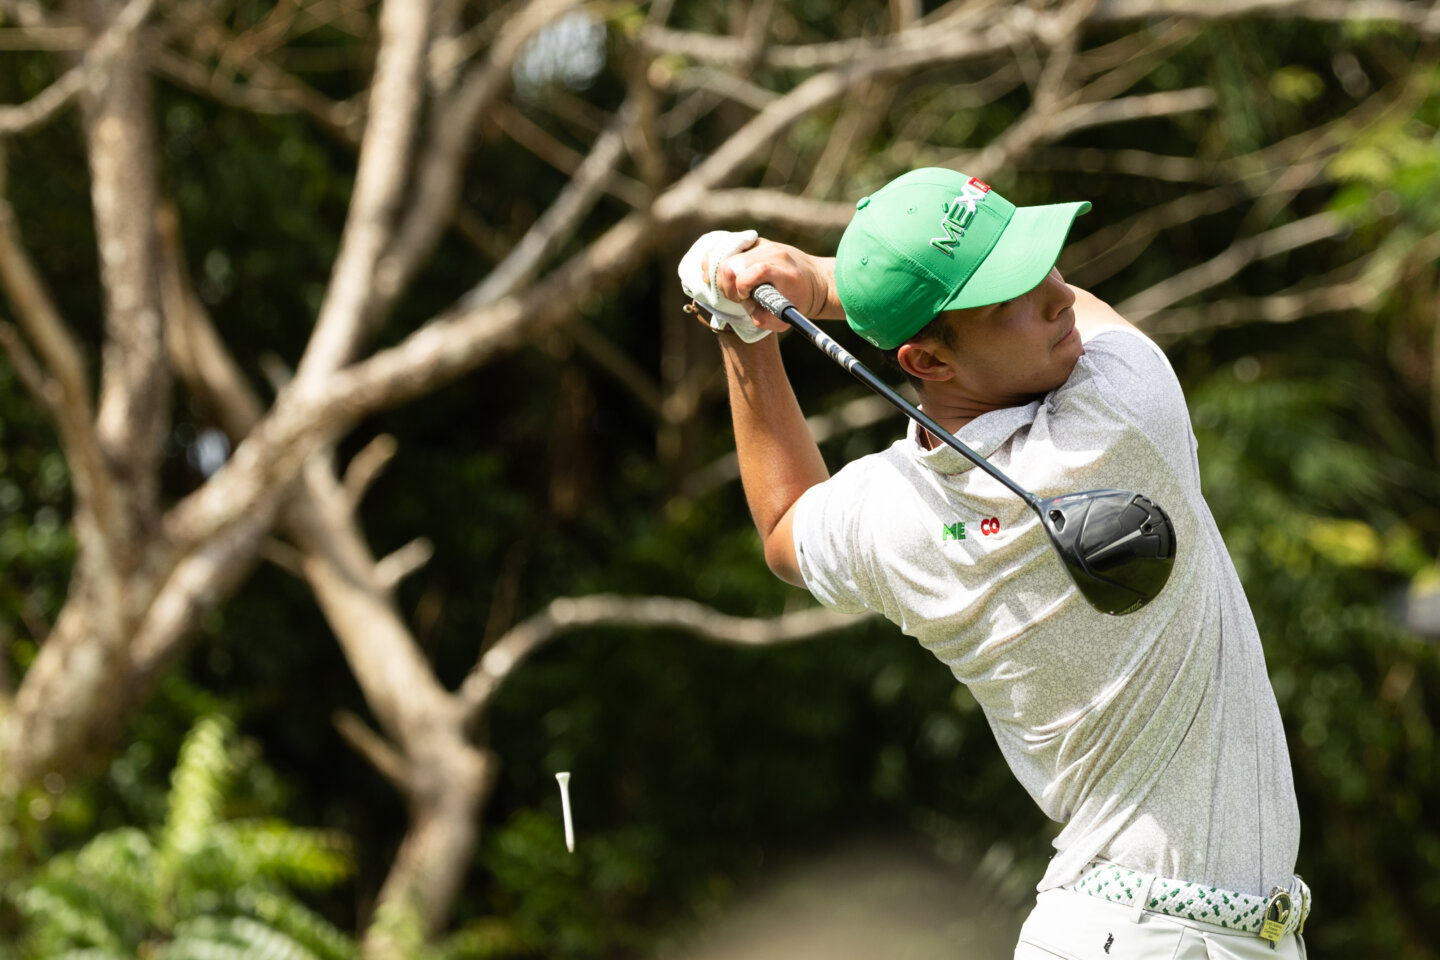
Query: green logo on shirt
x: 953, y: 531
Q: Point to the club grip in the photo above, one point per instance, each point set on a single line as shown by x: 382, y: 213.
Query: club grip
x: 771, y: 299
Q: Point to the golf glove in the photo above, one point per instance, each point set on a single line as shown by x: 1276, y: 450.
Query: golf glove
x: 699, y: 285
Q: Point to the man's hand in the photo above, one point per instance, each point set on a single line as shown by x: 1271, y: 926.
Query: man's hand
x: 697, y: 278
x: 807, y: 281
x: 804, y: 280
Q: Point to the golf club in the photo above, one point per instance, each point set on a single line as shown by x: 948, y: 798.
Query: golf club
x: 1117, y: 545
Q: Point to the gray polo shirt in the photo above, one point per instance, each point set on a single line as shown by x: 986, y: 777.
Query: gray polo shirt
x: 1154, y: 737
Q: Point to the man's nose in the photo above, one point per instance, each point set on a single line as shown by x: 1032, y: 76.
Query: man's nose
x: 1059, y: 296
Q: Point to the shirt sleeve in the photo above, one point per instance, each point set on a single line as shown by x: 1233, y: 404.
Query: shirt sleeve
x: 1137, y: 378
x: 828, y: 545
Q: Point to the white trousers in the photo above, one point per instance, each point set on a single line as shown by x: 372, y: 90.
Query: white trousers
x: 1077, y: 926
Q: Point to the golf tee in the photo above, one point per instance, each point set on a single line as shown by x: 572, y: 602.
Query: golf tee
x: 564, y: 779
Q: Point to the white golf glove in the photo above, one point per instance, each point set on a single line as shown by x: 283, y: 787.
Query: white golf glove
x: 699, y: 285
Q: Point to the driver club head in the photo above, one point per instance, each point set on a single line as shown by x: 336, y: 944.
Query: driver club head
x: 1118, y: 546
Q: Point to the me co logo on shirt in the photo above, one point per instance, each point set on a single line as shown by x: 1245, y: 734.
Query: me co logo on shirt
x: 956, y: 531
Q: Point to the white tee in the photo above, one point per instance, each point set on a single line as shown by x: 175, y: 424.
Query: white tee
x: 1155, y: 737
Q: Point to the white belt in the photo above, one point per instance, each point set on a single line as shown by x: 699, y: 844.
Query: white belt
x: 1272, y: 917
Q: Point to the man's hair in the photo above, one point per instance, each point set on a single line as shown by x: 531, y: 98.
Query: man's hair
x: 937, y: 329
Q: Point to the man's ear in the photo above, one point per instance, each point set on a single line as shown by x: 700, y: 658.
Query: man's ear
x: 918, y: 359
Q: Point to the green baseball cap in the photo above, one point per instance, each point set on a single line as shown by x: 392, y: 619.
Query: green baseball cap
x: 934, y: 240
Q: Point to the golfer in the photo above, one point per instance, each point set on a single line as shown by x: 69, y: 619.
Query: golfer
x: 1153, y: 737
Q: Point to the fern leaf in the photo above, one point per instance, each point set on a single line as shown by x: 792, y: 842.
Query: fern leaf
x: 289, y: 916
x: 121, y: 863
x: 273, y: 849
x: 197, y: 792
x: 224, y: 938
x: 63, y: 911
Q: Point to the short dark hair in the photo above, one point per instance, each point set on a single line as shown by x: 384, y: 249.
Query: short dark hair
x: 937, y: 329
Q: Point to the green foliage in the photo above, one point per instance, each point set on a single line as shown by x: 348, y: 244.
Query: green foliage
x: 1326, y: 528
x: 200, y: 885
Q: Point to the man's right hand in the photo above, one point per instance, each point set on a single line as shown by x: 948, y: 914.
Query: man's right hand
x: 804, y: 280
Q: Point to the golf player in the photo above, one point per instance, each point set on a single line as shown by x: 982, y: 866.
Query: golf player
x: 1153, y: 737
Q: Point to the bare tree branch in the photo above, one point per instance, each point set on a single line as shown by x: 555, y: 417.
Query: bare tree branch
x: 849, y: 416
x: 134, y: 402
x: 532, y: 137
x: 1356, y: 286
x: 446, y: 777
x: 69, y: 401
x: 1115, y: 246
x: 366, y: 466
x: 273, y: 91
x: 38, y: 315
x: 1062, y: 35
x: 721, y: 84
x: 858, y: 122
x: 195, y: 348
x: 1170, y: 325
x: 1135, y: 163
x: 41, y: 387
x: 437, y: 189
x: 394, y: 567
x: 1393, y: 11
x: 1320, y: 226
x: 380, y: 182
x: 665, y: 613
x: 439, y: 351
x: 54, y: 98
x: 214, y: 569
x: 560, y: 219
x: 374, y: 748
x: 28, y: 13
x: 614, y: 361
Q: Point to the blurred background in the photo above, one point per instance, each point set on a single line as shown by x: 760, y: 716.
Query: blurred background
x: 359, y: 470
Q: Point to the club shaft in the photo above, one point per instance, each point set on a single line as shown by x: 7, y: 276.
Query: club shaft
x: 770, y: 298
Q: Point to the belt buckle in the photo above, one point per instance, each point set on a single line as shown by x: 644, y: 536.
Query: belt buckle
x: 1277, y: 913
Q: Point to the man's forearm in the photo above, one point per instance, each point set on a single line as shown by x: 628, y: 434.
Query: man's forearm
x: 778, y: 458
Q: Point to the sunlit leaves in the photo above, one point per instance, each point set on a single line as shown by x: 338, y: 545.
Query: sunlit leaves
x: 201, y: 885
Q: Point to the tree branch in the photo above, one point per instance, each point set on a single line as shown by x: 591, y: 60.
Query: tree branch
x: 196, y: 351
x: 533, y: 137
x: 614, y: 361
x: 374, y: 748
x: 1170, y: 325
x: 1393, y: 11
x: 69, y: 401
x: 394, y: 567
x: 272, y: 91
x: 559, y: 220
x: 437, y: 179
x: 395, y: 103
x: 664, y: 613
x: 366, y: 466
x: 1356, y: 286
x: 37, y: 313
x: 853, y: 415
x: 1115, y: 246
x: 41, y: 387
x: 1218, y: 269
x: 27, y: 13
x: 54, y: 98
x: 134, y: 402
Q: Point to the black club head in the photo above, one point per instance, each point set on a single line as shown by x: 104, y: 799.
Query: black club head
x: 1118, y: 546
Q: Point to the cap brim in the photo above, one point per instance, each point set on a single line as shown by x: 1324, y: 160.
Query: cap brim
x: 1022, y: 257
